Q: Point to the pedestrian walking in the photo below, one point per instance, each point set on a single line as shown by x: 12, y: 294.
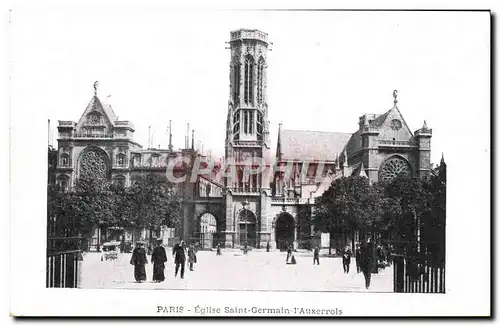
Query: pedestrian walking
x: 218, y: 250
x: 191, y: 257
x: 139, y: 260
x: 268, y: 246
x: 159, y: 258
x: 367, y: 261
x: 316, y: 255
x: 245, y: 248
x: 289, y: 253
x: 357, y: 253
x: 179, y: 254
x: 346, y: 259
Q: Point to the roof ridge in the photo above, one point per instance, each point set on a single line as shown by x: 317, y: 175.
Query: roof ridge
x: 326, y: 132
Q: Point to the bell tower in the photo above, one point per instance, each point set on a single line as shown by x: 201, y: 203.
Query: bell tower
x: 247, y: 132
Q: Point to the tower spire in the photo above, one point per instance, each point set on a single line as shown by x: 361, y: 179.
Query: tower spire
x: 192, y: 139
x: 149, y: 136
x: 170, y: 135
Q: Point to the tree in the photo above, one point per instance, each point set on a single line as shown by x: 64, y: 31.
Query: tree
x: 350, y: 205
x: 150, y: 203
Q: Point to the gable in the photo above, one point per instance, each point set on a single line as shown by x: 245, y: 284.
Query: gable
x: 97, y: 118
x: 393, y: 126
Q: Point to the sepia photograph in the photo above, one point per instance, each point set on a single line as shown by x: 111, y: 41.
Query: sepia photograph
x: 249, y: 154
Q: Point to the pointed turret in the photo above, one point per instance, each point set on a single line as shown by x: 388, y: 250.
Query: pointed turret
x: 170, y: 147
x: 192, y: 139
x: 345, y: 167
x: 362, y: 172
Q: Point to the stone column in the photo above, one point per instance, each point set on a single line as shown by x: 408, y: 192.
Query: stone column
x: 295, y: 234
x: 272, y: 233
x: 254, y: 83
x: 229, y: 232
x: 264, y: 233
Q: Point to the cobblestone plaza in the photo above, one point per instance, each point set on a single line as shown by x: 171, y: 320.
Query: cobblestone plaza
x: 255, y: 271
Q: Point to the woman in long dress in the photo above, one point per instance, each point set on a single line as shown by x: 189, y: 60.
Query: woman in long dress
x: 139, y: 260
x: 159, y: 257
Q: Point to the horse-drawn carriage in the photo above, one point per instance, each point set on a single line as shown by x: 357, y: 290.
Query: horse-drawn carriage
x: 110, y: 250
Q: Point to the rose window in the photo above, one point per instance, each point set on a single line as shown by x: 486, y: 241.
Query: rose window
x: 394, y: 167
x: 396, y: 124
x: 93, y: 165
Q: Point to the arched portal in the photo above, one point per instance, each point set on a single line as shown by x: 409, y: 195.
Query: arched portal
x: 208, y: 230
x: 285, y: 231
x: 247, y: 228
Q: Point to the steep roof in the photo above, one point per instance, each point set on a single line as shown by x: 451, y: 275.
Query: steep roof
x: 311, y: 145
x: 354, y: 143
x: 96, y: 104
x: 109, y: 111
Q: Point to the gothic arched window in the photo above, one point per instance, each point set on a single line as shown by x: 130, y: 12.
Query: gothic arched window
x: 249, y: 65
x: 120, y: 159
x: 259, y: 125
x: 236, y: 82
x: 394, y: 167
x: 64, y: 182
x: 64, y: 159
x: 137, y: 160
x: 260, y: 80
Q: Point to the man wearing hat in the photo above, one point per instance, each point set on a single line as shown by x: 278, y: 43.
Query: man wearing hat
x: 179, y: 253
x: 159, y: 257
x: 139, y: 260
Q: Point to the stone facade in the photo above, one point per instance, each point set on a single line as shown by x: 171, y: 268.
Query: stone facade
x: 228, y: 205
x: 247, y: 137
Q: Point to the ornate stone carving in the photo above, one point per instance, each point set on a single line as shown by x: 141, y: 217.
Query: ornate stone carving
x: 394, y: 167
x: 396, y: 124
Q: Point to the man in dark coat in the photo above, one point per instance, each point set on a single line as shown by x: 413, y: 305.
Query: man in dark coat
x: 268, y: 246
x: 159, y: 257
x: 191, y: 257
x: 346, y: 259
x: 358, y: 258
x: 179, y: 254
x: 289, y: 253
x: 367, y: 261
x: 139, y: 260
x: 316, y: 255
x: 218, y: 250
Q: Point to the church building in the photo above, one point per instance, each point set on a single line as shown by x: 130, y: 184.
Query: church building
x: 257, y: 208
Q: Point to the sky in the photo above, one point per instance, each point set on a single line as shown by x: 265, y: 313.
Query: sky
x: 325, y: 69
